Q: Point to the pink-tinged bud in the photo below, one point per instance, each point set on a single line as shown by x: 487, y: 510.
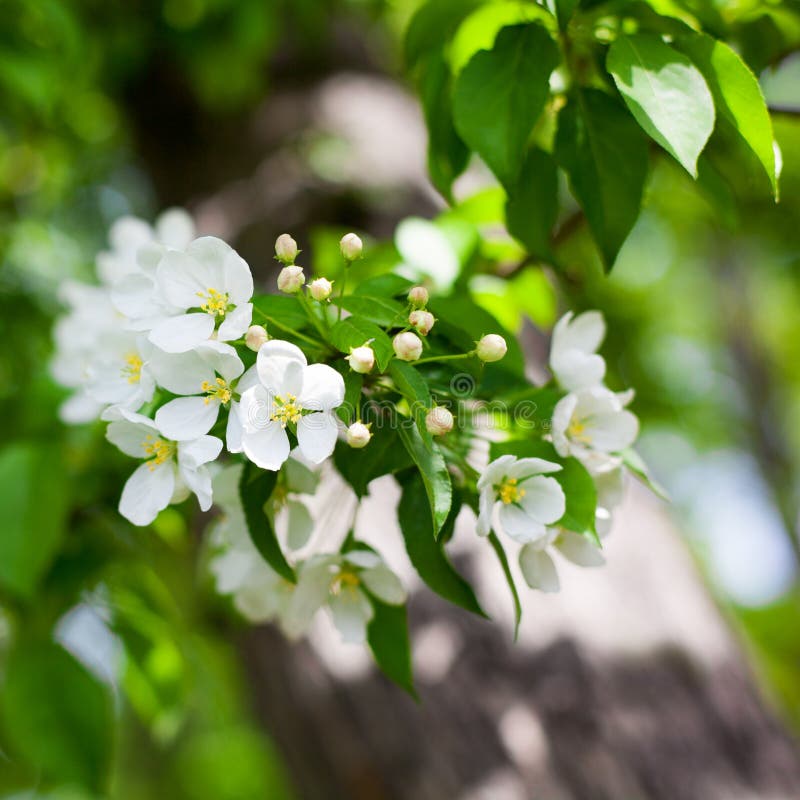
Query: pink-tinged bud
x: 320, y: 289
x: 358, y: 435
x: 407, y: 346
x: 362, y: 359
x: 286, y: 249
x: 351, y: 247
x: 418, y: 296
x: 256, y: 336
x: 491, y: 348
x: 439, y: 421
x: 290, y: 279
x: 421, y: 320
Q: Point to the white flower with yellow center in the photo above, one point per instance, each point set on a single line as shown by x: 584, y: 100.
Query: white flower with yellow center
x: 120, y: 375
x: 573, y: 357
x: 206, y: 376
x: 517, y: 498
x: 538, y: 567
x: 289, y: 393
x: 592, y: 425
x: 169, y: 467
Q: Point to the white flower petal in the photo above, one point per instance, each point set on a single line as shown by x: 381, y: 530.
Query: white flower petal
x: 538, y: 569
x: 316, y: 435
x: 525, y: 467
x: 486, y: 501
x: 256, y: 407
x: 175, y: 228
x: 184, y: 280
x: 79, y: 409
x: 384, y: 584
x: 351, y: 612
x: 323, y: 388
x: 234, y: 430
x: 280, y: 367
x: 187, y: 417
x: 562, y: 415
x: 130, y: 436
x: 576, y: 370
x: 238, y: 279
x: 199, y: 481
x: 181, y: 373
x: 199, y: 451
x: 236, y: 323
x: 579, y: 550
x: 147, y: 492
x: 222, y: 358
x: 496, y: 471
x: 267, y: 448
x: 518, y: 524
x: 134, y: 296
x: 365, y: 559
x: 179, y: 334
x: 543, y: 499
x: 300, y: 524
x: 613, y: 432
x: 313, y: 586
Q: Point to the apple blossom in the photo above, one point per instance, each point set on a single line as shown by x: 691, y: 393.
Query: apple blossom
x: 439, y: 421
x: 290, y: 279
x: 491, y: 347
x: 418, y: 296
x: 320, y: 289
x: 573, y: 359
x: 516, y: 492
x: 350, y: 246
x: 361, y: 359
x: 286, y: 249
x: 422, y: 321
x: 358, y: 435
x: 256, y: 336
x: 121, y: 374
x: 538, y: 567
x: 407, y: 346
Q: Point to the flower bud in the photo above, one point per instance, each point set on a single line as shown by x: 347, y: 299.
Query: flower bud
x: 418, y: 296
x: 291, y: 279
x: 320, y: 289
x: 362, y: 359
x: 439, y: 421
x: 421, y: 320
x: 358, y: 435
x: 407, y: 346
x: 256, y: 336
x: 351, y: 247
x: 286, y: 249
x: 491, y: 347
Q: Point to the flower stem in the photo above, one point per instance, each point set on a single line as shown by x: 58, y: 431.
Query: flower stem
x: 278, y: 324
x: 341, y: 290
x: 444, y: 358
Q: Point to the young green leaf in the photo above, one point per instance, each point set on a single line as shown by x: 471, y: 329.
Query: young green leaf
x: 605, y: 157
x: 500, y: 94
x: 532, y: 206
x: 380, y: 310
x: 666, y: 94
x: 737, y: 96
x: 355, y: 331
x: 387, y: 636
x: 383, y: 455
x: 428, y: 555
x: 433, y: 469
x: 255, y: 489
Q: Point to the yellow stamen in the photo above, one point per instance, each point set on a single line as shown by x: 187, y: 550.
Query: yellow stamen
x: 346, y: 579
x: 215, y: 302
x: 133, y: 368
x: 576, y: 431
x: 158, y: 450
x: 287, y: 410
x: 509, y: 492
x: 218, y: 390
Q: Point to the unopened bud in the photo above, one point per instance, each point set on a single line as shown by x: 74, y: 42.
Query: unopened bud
x: 362, y: 359
x: 418, y: 296
x: 290, y: 279
x: 286, y: 249
x: 351, y: 247
x: 256, y: 336
x: 358, y: 435
x: 439, y: 421
x: 407, y: 346
x: 491, y: 347
x: 320, y: 289
x: 421, y: 320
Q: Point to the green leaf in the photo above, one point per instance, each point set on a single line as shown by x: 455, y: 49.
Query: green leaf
x: 387, y: 636
x: 57, y: 716
x: 415, y: 389
x: 280, y: 311
x: 34, y: 507
x: 737, y: 96
x: 427, y: 554
x: 447, y: 153
x: 433, y: 469
x: 380, y: 310
x: 634, y: 462
x: 355, y: 331
x: 382, y: 456
x: 503, y: 558
x: 565, y: 10
x: 255, y: 489
x: 350, y: 409
x: 500, y: 94
x: 666, y: 94
x: 387, y: 285
x: 432, y: 25
x: 532, y: 206
x: 605, y: 157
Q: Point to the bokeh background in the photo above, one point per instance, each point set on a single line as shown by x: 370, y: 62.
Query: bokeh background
x: 265, y: 117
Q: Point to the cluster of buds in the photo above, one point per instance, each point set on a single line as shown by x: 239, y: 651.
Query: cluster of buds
x: 421, y: 320
x: 292, y: 278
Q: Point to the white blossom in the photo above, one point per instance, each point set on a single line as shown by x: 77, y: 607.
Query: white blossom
x: 536, y: 561
x: 573, y: 357
x: 120, y: 373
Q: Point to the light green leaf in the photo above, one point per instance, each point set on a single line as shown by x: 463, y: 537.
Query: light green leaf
x: 433, y: 469
x: 737, y: 96
x: 255, y: 489
x: 605, y: 157
x: 666, y: 94
x: 387, y: 636
x: 57, y: 716
x: 532, y: 206
x: 380, y: 310
x: 428, y: 555
x: 500, y: 94
x: 387, y: 285
x: 279, y: 311
x: 33, y: 499
x: 355, y: 331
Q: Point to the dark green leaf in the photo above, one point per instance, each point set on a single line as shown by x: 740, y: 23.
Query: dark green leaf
x: 354, y: 332
x: 503, y: 558
x: 605, y: 157
x: 500, y: 94
x: 380, y: 310
x: 532, y: 206
x: 350, y: 410
x: 432, y: 25
x: 34, y: 509
x: 57, y: 716
x: 666, y: 94
x: 279, y: 311
x: 565, y: 9
x: 383, y: 455
x: 433, y: 469
x: 414, y: 388
x: 255, y: 489
x: 387, y: 285
x: 387, y: 636
x: 426, y: 553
